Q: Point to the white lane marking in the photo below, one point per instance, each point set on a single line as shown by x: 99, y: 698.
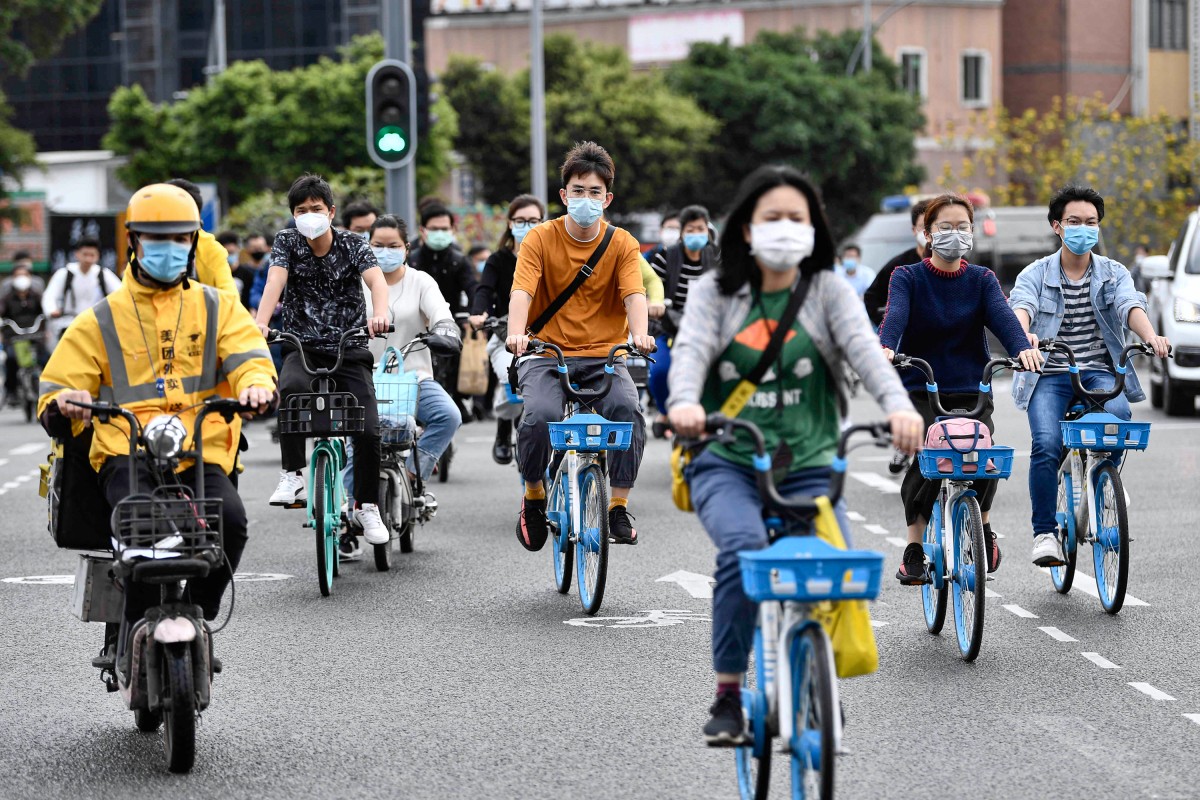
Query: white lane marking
x: 876, y: 482
x: 1194, y: 718
x: 1020, y: 612
x: 991, y: 592
x: 877, y: 623
x: 3, y: 461
x: 1088, y: 587
x: 24, y: 478
x: 854, y: 516
x: 897, y: 541
x: 43, y: 580
x: 254, y: 577
x: 878, y: 530
x: 1099, y: 660
x: 653, y: 619
x: 11, y: 485
x: 28, y: 449
x: 1057, y: 635
x: 694, y: 584
x: 1147, y: 689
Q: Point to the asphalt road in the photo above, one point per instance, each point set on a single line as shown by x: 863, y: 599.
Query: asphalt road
x: 462, y: 673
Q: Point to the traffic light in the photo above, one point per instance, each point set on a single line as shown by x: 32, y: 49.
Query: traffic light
x: 391, y: 114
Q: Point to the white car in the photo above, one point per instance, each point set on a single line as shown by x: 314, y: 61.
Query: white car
x: 1175, y: 312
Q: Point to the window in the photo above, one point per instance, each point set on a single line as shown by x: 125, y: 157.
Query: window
x: 1168, y: 25
x: 975, y: 79
x: 912, y: 71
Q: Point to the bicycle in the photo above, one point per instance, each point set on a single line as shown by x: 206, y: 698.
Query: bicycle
x: 1090, y: 437
x: 963, y: 566
x: 167, y: 536
x: 793, y: 657
x: 29, y: 371
x: 327, y: 416
x: 577, y: 498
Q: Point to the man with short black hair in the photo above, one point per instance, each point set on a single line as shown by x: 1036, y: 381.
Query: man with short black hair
x: 440, y: 257
x: 359, y: 217
x: 78, y: 287
x: 875, y: 298
x: 853, y: 271
x: 22, y: 258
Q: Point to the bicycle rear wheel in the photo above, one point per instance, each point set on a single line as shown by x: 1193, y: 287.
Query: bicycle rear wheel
x: 1068, y: 535
x: 387, y: 510
x: 562, y: 549
x: 326, y: 518
x: 591, y: 542
x: 933, y: 600
x: 1110, y: 551
x: 969, y: 579
x: 814, y: 703
x: 753, y: 759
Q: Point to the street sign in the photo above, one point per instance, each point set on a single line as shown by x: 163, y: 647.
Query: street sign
x: 391, y: 114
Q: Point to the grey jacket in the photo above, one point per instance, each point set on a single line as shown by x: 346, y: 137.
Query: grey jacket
x: 832, y: 314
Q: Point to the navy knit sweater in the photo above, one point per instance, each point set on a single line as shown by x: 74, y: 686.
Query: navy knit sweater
x: 940, y: 317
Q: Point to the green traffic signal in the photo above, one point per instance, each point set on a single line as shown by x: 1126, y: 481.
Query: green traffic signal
x: 391, y: 142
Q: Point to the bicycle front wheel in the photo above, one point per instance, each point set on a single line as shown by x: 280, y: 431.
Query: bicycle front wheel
x: 179, y: 715
x: 753, y: 759
x: 388, y: 501
x: 814, y: 738
x: 969, y: 578
x: 1110, y: 551
x: 591, y: 542
x: 933, y: 600
x: 326, y: 517
x: 1068, y: 535
x: 562, y: 549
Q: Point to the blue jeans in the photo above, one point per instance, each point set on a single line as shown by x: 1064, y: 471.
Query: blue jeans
x: 1052, y: 397
x: 658, y: 373
x: 726, y: 499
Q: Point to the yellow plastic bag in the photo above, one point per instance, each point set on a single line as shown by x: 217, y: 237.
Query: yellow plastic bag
x: 847, y: 622
x: 681, y: 493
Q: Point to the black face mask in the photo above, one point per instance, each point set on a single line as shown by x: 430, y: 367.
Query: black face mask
x: 257, y: 255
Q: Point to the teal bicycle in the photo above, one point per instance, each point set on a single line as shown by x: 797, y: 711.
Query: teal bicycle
x: 327, y: 416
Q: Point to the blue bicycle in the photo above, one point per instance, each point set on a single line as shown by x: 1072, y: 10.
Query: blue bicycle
x: 794, y: 694
x: 1090, y: 438
x: 961, y: 568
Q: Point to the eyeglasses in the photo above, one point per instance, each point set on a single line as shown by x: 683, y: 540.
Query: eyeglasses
x: 595, y: 192
x: 1072, y: 222
x: 947, y: 227
x: 526, y: 220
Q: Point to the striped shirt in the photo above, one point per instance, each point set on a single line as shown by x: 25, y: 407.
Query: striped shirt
x: 689, y: 272
x: 1080, y: 329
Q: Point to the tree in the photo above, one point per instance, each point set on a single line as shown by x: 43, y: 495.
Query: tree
x: 29, y: 30
x: 785, y: 98
x: 255, y: 129
x: 1145, y: 166
x: 656, y: 137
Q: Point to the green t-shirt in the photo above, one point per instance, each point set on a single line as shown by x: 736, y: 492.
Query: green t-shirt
x: 807, y: 429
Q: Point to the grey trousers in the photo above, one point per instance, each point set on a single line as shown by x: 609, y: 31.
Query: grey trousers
x: 544, y: 401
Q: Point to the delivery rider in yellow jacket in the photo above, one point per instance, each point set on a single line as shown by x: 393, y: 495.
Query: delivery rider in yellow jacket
x: 162, y: 344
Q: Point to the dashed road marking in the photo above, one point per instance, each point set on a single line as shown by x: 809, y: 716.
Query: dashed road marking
x: 27, y: 449
x: 24, y: 478
x: 876, y: 481
x: 1153, y: 693
x: 1099, y: 660
x: 1020, y: 612
x: 854, y: 516
x: 1194, y: 718
x: 897, y: 541
x: 3, y: 461
x: 1088, y: 587
x: 878, y: 530
x: 1057, y: 635
x: 991, y: 593
x: 877, y: 623
x: 11, y: 484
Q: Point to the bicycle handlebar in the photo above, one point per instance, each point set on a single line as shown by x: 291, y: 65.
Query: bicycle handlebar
x: 274, y: 336
x: 585, y: 396
x: 900, y: 360
x: 1121, y: 369
x: 724, y: 430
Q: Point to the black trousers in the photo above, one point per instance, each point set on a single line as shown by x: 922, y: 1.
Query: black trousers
x: 918, y: 492
x: 204, y: 592
x: 354, y: 377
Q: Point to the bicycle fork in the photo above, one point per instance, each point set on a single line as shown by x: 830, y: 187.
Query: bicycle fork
x: 795, y: 619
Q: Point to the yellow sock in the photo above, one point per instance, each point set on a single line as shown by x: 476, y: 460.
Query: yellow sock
x: 535, y: 494
x: 618, y: 501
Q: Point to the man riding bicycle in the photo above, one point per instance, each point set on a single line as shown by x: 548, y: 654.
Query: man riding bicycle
x: 597, y: 308
x: 162, y: 345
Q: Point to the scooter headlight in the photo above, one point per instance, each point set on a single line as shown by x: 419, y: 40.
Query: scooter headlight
x: 164, y: 437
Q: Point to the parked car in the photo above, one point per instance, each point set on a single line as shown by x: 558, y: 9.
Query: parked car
x: 1175, y: 311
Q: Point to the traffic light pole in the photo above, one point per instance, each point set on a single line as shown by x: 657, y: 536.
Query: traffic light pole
x: 402, y: 182
x: 537, y: 104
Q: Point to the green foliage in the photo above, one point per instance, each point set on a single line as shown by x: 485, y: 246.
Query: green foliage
x: 786, y: 99
x: 657, y: 138
x: 254, y: 129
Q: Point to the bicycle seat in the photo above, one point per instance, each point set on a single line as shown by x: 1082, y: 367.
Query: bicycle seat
x: 169, y: 570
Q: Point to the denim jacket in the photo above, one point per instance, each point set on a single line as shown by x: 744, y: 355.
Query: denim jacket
x: 1039, y: 292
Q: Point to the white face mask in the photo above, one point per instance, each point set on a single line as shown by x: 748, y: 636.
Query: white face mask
x: 312, y: 225
x: 781, y: 245
x: 922, y: 242
x: 668, y: 237
x: 22, y: 283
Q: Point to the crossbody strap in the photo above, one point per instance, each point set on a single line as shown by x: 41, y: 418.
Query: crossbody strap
x: 584, y: 272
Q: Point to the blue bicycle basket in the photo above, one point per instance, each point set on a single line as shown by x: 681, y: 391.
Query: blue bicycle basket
x: 590, y: 433
x: 396, y: 396
x: 809, y: 569
x: 939, y: 464
x: 1100, y: 431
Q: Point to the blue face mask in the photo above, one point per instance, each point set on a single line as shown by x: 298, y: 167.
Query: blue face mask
x: 390, y: 258
x: 165, y: 262
x: 849, y: 264
x: 585, y: 211
x: 695, y: 241
x: 519, y: 229
x: 439, y: 240
x: 1080, y: 239
x: 233, y: 260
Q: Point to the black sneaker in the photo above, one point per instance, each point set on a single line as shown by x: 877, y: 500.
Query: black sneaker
x: 912, y: 567
x: 620, y: 526
x: 217, y: 666
x: 991, y: 548
x: 107, y: 658
x: 531, y: 525
x: 348, y: 548
x: 502, y: 450
x: 898, y: 463
x: 726, y: 727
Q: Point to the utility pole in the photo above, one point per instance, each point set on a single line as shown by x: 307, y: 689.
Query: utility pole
x: 218, y: 60
x: 401, y: 182
x: 867, y: 35
x: 537, y: 104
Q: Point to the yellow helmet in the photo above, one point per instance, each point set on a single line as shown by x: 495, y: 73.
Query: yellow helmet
x: 162, y: 208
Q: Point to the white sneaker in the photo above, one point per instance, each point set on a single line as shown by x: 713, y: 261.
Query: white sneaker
x: 290, y: 493
x: 374, y: 531
x: 1046, y: 551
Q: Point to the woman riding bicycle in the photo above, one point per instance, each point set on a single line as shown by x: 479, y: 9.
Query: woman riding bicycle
x: 776, y: 242
x: 937, y: 311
